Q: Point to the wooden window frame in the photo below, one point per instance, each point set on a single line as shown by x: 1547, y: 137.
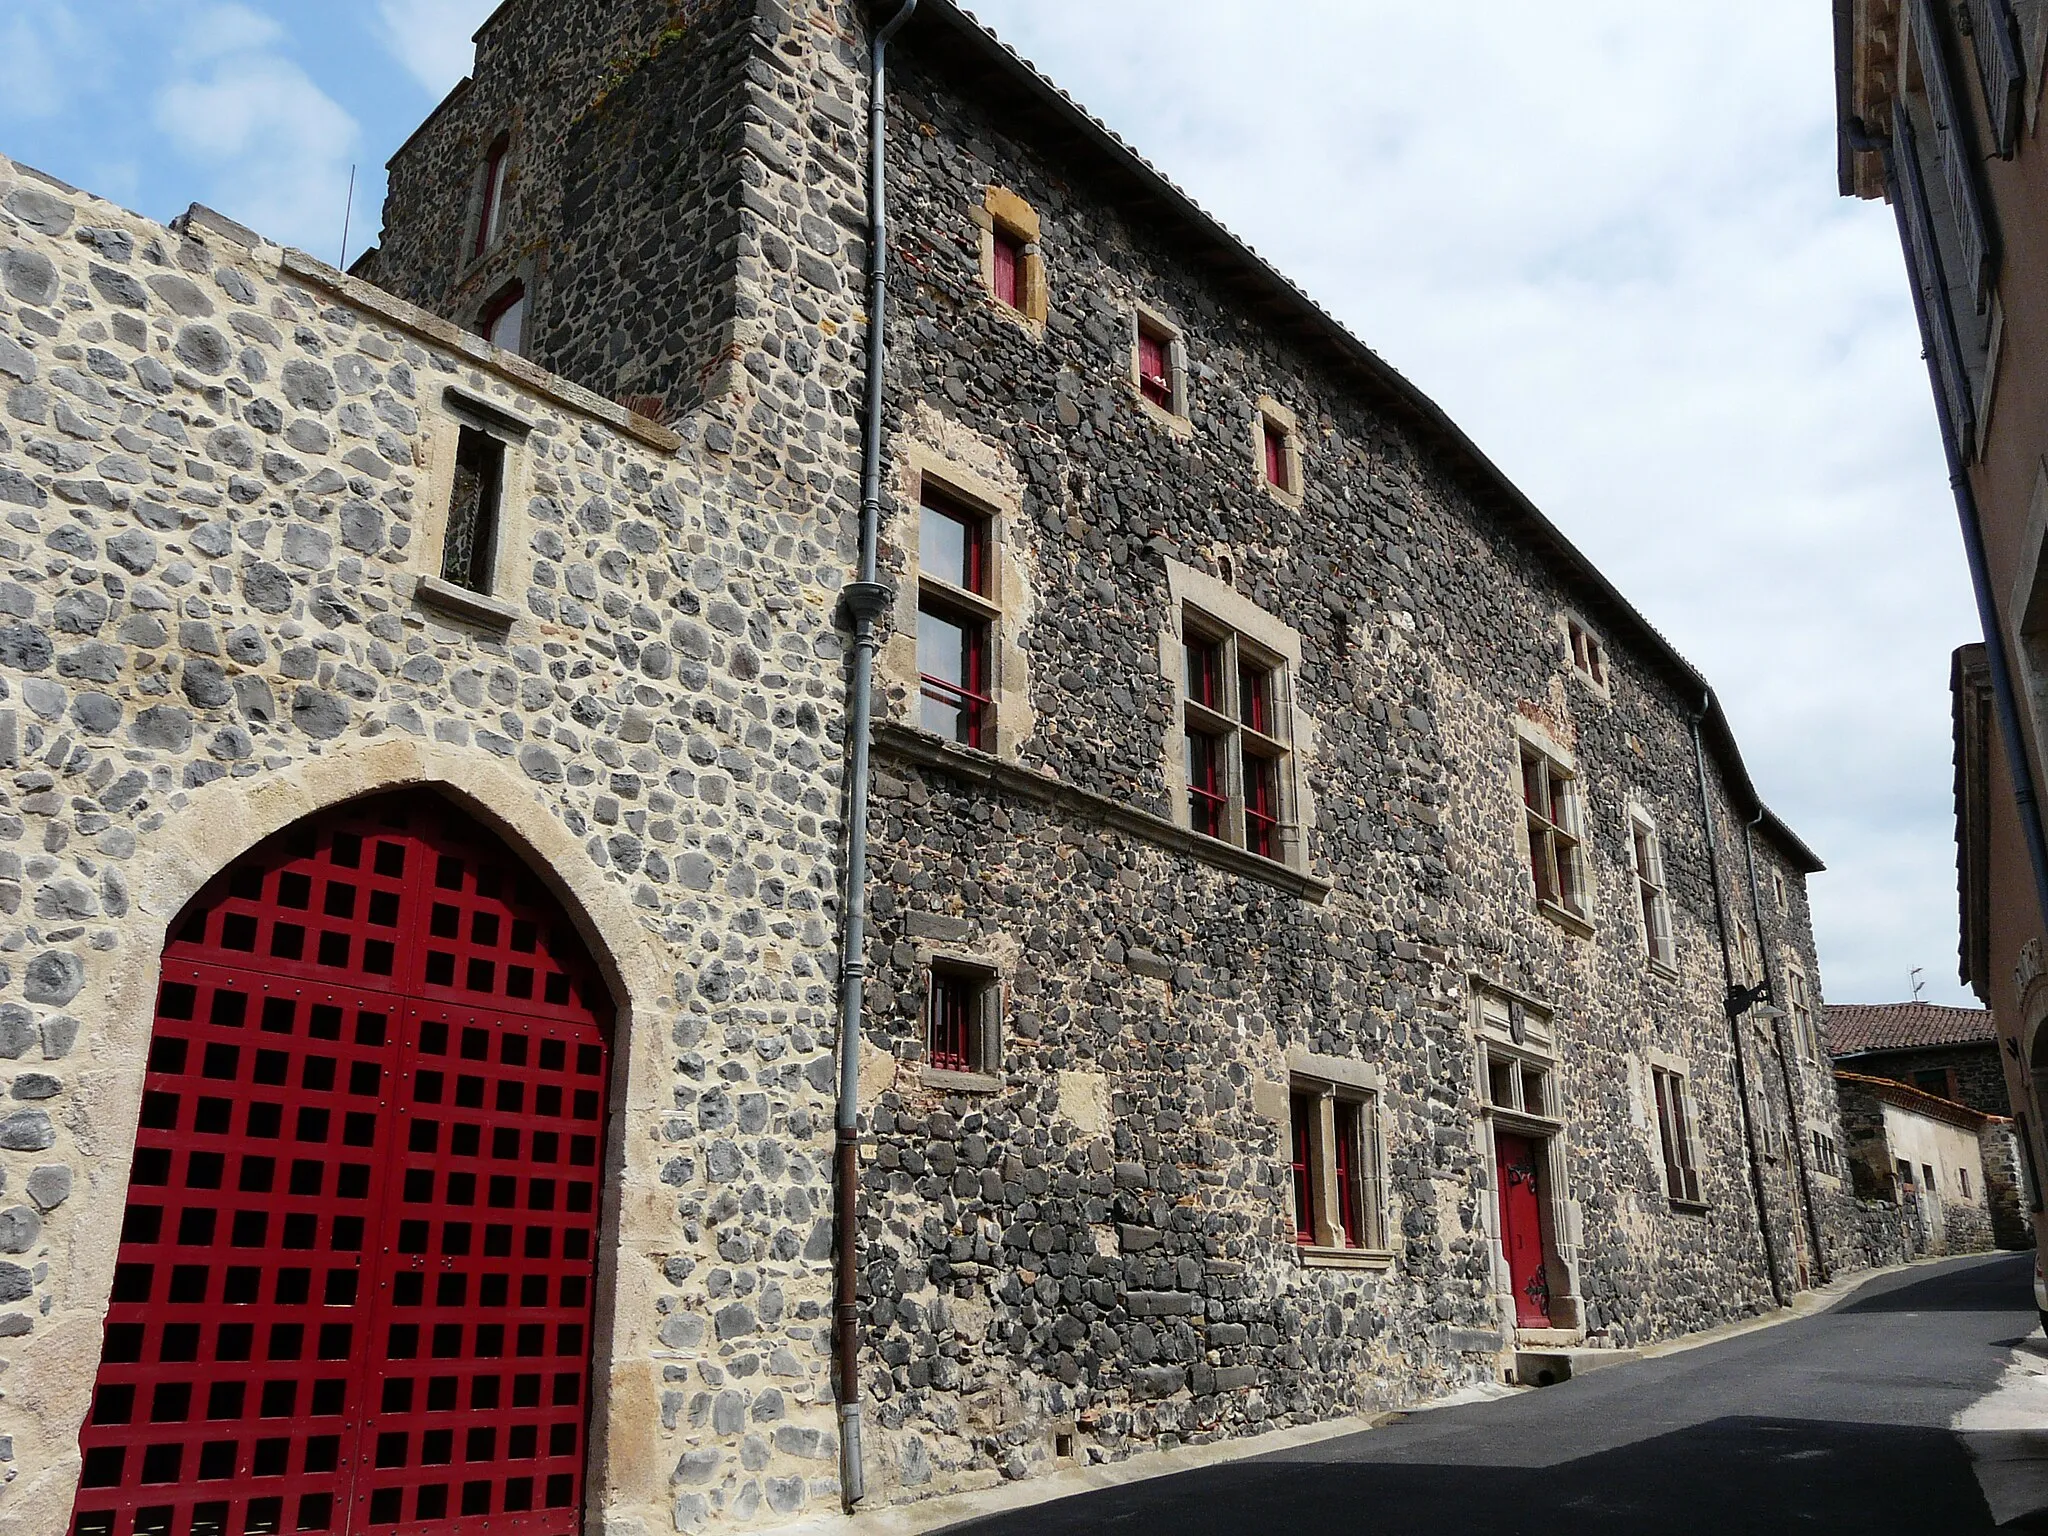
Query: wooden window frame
x: 1800, y: 1010
x: 971, y: 609
x: 1646, y: 852
x: 1677, y: 1135
x: 1335, y: 1199
x: 491, y: 211
x: 1588, y: 655
x: 1249, y: 795
x: 1557, y: 859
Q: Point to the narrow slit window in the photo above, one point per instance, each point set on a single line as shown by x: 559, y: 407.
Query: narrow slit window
x: 469, y: 550
x: 491, y: 215
x: 1305, y: 1114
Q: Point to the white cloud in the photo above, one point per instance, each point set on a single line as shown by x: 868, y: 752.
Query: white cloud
x: 432, y: 38
x: 39, y: 52
x: 221, y: 30
x: 275, y: 148
x: 1606, y: 238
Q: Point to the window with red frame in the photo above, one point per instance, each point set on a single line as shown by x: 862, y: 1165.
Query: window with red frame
x: 1007, y: 268
x: 1155, y: 366
x: 1274, y: 437
x: 959, y: 1004
x: 1331, y: 1140
x: 1208, y: 800
x: 1589, y: 657
x: 1238, y: 762
x: 504, y: 319
x: 955, y: 620
x: 1305, y: 1111
x: 491, y: 214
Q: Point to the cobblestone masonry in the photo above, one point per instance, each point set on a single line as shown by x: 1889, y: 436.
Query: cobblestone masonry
x: 215, y: 473
x: 1089, y: 1254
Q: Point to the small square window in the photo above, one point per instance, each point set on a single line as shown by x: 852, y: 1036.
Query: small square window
x: 1589, y: 657
x: 962, y: 1010
x: 1275, y: 437
x: 1156, y: 380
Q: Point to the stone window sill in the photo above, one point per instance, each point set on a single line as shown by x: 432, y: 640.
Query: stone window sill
x: 1344, y: 1258
x: 1569, y: 921
x: 1659, y: 968
x: 461, y: 603
x: 960, y: 1082
x: 1171, y: 421
x: 1689, y: 1207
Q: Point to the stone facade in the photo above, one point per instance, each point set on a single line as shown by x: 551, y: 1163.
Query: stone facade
x: 221, y: 469
x: 226, y: 471
x: 1083, y: 1249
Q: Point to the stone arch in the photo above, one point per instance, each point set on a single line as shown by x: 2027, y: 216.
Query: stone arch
x: 197, y: 841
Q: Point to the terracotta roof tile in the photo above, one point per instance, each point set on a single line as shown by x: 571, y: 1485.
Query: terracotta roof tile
x: 1856, y: 1027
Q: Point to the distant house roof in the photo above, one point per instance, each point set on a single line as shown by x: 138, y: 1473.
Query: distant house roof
x: 1912, y: 1099
x: 1855, y: 1028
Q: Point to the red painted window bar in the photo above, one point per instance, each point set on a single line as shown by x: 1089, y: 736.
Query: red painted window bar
x: 951, y: 1020
x: 353, y: 1291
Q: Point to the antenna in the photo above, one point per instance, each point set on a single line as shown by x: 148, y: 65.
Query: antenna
x: 1919, y: 986
x: 348, y: 214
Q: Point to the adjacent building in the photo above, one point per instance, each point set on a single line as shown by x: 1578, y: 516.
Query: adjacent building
x: 1323, y: 940
x: 1952, y: 1053
x: 1953, y: 1169
x: 1939, y: 107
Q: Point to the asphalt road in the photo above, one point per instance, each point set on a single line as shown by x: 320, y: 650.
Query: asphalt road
x: 1832, y: 1423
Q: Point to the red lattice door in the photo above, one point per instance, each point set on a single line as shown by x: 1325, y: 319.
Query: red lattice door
x: 354, y: 1286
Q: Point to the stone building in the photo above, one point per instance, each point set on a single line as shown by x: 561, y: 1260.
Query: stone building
x: 1951, y: 1053
x: 1939, y: 114
x: 1324, y: 940
x: 1953, y: 1168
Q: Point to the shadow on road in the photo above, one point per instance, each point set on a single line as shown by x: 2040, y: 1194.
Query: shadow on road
x: 1727, y: 1476
x: 2002, y: 1284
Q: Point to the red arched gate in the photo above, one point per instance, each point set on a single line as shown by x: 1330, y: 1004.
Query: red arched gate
x: 354, y: 1284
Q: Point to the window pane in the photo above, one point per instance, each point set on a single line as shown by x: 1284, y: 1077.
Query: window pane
x: 1533, y: 794
x: 1350, y: 1190
x: 1262, y: 806
x: 505, y: 321
x: 1276, y: 456
x: 1205, y: 785
x: 470, y: 540
x: 942, y: 648
x: 952, y: 660
x: 1541, y: 868
x: 1203, y: 671
x: 1255, y: 698
x: 949, y: 546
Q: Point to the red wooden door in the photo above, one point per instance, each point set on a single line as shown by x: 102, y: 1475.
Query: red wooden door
x: 1521, y: 1227
x: 354, y: 1284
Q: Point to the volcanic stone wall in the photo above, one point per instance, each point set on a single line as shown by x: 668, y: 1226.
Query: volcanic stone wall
x: 218, y: 489
x: 1100, y: 1245
x: 1088, y: 1252
x: 1979, y: 1075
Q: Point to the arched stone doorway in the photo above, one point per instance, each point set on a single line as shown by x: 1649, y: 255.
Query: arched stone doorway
x: 355, y: 1282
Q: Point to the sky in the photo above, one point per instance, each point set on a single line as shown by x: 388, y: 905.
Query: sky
x: 1604, y: 236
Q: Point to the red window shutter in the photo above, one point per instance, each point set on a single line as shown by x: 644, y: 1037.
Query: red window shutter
x: 1347, y: 1174
x: 1303, y: 1115
x: 1155, y: 371
x: 1009, y: 269
x: 1276, y: 456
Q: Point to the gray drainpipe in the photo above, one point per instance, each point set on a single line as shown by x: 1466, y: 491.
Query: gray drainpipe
x: 1756, y: 1169
x: 866, y: 599
x: 1792, y: 1096
x: 2017, y: 762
